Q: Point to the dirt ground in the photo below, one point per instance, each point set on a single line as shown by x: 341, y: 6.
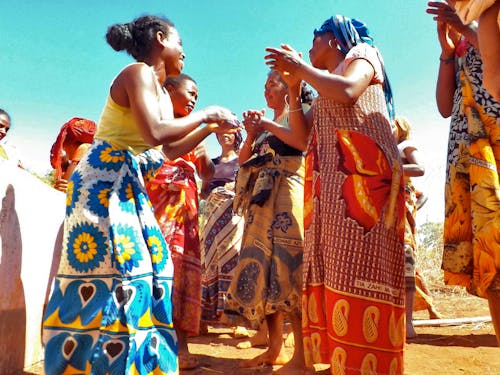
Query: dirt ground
x: 466, y: 349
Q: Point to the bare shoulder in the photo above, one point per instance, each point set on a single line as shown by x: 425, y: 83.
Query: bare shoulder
x: 135, y: 72
x: 131, y: 78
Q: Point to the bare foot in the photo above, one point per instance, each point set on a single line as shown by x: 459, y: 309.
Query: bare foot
x: 259, y: 339
x: 267, y: 358
x: 410, y: 331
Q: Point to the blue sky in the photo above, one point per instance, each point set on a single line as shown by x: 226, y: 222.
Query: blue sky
x: 56, y: 64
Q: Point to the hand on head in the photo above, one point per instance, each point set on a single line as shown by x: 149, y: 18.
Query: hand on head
x: 449, y: 26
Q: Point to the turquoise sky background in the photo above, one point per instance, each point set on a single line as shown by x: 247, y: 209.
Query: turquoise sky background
x: 56, y: 64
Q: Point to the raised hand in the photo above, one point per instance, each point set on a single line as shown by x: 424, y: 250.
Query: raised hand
x: 252, y: 120
x: 286, y: 61
x: 445, y: 13
x: 449, y: 26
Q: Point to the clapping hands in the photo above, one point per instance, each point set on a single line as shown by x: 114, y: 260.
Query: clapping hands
x: 252, y: 121
x: 221, y: 120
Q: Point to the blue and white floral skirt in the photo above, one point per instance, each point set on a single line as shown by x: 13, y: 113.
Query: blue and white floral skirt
x: 110, y: 310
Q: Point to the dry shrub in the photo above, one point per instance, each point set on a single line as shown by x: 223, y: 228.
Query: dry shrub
x: 429, y: 252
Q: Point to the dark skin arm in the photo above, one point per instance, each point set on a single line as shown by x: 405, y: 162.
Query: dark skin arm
x: 253, y: 118
x: 342, y: 88
x: 449, y: 29
x: 413, y: 168
x: 204, y: 166
x: 135, y: 87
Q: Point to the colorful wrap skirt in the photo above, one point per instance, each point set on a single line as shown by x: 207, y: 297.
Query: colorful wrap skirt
x: 353, y: 314
x: 110, y: 310
x: 221, y: 233
x: 471, y: 255
x: 174, y: 195
x: 268, y: 277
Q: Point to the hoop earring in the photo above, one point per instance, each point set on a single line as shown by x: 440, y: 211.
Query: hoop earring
x: 330, y: 43
x: 287, y: 106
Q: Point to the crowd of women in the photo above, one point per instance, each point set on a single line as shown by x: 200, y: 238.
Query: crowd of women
x: 309, y: 219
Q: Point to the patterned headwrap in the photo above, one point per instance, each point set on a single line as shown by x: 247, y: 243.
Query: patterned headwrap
x: 349, y: 33
x: 76, y: 131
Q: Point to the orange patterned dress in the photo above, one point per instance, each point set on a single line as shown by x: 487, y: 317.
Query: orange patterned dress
x: 353, y: 313
x: 471, y: 256
x: 174, y: 195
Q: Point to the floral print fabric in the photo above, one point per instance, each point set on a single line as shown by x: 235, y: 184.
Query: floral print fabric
x: 472, y: 192
x: 110, y: 309
x: 174, y: 196
x: 268, y: 277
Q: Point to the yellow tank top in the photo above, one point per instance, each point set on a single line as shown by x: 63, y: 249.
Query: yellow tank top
x: 118, y: 127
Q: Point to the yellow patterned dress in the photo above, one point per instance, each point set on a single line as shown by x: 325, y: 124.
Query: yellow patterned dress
x: 471, y: 255
x: 353, y: 313
x: 269, y: 194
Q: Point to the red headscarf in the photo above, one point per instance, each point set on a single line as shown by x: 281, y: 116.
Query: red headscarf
x: 76, y: 131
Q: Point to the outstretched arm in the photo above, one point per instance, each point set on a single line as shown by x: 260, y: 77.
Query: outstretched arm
x: 343, y: 88
x: 136, y: 87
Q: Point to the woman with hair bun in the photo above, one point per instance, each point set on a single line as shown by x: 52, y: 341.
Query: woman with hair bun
x: 110, y: 309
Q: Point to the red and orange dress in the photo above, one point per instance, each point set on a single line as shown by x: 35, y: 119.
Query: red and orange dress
x: 174, y: 195
x: 353, y: 312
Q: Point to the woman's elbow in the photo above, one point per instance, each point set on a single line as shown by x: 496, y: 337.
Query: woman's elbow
x: 153, y: 139
x: 171, y: 153
x: 445, y: 110
x: 301, y: 144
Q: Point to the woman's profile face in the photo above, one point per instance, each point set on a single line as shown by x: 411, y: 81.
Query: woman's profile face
x: 174, y: 53
x: 275, y: 91
x: 318, y: 54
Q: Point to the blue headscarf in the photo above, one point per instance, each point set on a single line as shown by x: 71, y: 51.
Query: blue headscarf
x: 348, y: 33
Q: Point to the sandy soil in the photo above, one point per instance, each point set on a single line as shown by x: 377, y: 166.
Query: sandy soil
x: 466, y: 349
